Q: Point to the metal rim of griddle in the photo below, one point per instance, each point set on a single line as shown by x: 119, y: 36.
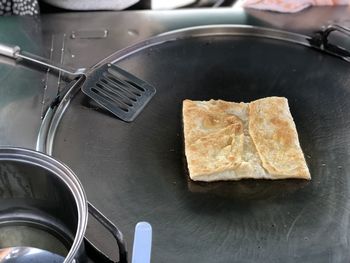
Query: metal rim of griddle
x: 319, y: 41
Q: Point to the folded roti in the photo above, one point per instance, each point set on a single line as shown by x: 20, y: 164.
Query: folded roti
x: 231, y: 141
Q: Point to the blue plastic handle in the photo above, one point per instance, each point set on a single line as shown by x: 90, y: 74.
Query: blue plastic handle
x: 142, y: 247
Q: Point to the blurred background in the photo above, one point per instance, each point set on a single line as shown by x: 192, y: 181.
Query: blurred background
x: 53, y: 6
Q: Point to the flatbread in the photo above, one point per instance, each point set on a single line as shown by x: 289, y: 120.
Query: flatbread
x: 231, y: 141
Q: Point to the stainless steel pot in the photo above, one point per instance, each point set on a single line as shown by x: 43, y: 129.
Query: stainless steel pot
x: 43, y: 205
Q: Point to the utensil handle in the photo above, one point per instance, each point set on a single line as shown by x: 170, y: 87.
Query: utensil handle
x: 9, y: 51
x: 322, y: 41
x: 16, y: 53
x: 47, y: 63
x: 142, y: 248
x: 105, y: 222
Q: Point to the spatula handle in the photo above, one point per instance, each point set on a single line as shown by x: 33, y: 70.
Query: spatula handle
x: 9, y: 51
x: 16, y: 53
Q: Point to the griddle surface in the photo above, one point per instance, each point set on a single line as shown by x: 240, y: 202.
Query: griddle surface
x: 136, y: 171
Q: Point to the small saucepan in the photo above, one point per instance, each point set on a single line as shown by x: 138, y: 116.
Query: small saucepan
x: 43, y: 206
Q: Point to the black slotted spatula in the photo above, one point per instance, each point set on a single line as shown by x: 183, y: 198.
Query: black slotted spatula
x: 118, y: 91
x: 115, y: 89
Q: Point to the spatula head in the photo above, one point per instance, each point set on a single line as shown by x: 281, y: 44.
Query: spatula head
x: 118, y: 91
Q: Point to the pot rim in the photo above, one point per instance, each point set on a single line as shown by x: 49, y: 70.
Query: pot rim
x: 64, y: 173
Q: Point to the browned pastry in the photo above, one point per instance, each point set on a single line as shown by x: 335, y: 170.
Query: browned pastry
x: 232, y: 141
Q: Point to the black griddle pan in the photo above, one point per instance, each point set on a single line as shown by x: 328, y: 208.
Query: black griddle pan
x: 137, y: 171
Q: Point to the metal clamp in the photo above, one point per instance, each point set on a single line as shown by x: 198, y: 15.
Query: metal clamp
x: 97, y: 254
x: 321, y: 41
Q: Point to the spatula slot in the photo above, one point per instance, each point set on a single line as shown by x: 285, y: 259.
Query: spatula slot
x: 122, y: 85
x: 102, y: 93
x: 120, y: 80
x: 135, y: 85
x: 117, y: 91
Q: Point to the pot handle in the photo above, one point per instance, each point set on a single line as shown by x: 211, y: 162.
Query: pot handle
x: 321, y: 40
x: 93, y: 251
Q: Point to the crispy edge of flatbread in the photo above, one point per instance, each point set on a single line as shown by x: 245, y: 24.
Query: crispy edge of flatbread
x: 213, y: 138
x: 273, y: 131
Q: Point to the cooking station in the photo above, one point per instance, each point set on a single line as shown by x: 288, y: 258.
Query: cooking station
x: 134, y: 171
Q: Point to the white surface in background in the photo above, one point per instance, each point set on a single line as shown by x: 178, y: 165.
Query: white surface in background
x: 93, y: 4
x: 238, y: 4
x: 170, y: 4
